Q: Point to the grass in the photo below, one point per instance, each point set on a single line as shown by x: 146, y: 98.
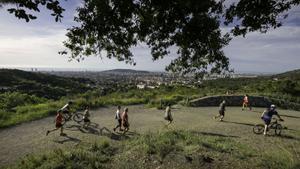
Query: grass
x: 171, y: 149
x: 195, y: 140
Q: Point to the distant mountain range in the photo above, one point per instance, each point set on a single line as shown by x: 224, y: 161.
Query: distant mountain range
x: 126, y: 71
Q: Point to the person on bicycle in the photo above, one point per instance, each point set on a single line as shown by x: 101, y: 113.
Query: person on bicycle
x: 267, y: 116
x: 58, y: 123
x: 66, y: 109
x: 86, y: 117
x: 221, y: 111
x: 119, y: 119
x: 168, y: 115
x: 125, y: 122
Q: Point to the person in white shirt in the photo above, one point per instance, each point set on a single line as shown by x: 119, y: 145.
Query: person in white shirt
x: 118, y: 118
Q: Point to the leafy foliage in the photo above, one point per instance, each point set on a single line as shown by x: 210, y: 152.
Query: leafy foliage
x: 23, y: 6
x: 191, y: 27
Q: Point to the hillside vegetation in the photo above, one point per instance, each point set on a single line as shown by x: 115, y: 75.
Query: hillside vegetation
x: 39, y: 84
x: 35, y: 95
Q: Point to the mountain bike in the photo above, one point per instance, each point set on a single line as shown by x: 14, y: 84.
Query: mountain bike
x: 274, y: 125
x: 75, y: 116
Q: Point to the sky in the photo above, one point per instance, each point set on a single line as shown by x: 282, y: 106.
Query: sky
x: 36, y: 45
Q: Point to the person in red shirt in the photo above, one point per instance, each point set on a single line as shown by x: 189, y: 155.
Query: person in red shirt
x: 246, y: 102
x: 58, y: 123
x: 125, y: 122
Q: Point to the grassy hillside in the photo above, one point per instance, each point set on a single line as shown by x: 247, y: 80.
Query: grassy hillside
x: 33, y: 90
x: 295, y: 75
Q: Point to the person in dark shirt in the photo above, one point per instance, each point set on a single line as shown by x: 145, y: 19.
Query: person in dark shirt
x: 267, y: 116
x: 221, y: 110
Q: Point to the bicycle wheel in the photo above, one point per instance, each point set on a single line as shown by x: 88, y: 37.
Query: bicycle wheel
x: 278, y: 129
x: 258, y: 128
x: 78, y: 117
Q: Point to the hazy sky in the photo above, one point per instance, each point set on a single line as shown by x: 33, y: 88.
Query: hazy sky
x: 36, y: 44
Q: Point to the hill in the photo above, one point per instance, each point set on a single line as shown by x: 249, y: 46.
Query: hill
x: 125, y: 71
x: 294, y: 74
x: 39, y: 84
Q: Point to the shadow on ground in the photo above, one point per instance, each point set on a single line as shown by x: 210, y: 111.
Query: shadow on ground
x: 94, y: 128
x: 233, y: 122
x: 68, y: 139
x: 214, y: 134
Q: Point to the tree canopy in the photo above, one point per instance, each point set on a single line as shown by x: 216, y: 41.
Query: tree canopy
x: 23, y: 7
x: 192, y: 27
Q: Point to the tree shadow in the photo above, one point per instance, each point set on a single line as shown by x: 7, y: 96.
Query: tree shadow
x: 91, y: 129
x: 68, y: 139
x: 295, y: 117
x: 233, y: 122
x: 213, y: 134
x: 118, y: 136
x: 289, y: 137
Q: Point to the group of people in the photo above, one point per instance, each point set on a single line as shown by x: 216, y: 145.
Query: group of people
x: 66, y: 109
x: 266, y: 116
x: 123, y: 120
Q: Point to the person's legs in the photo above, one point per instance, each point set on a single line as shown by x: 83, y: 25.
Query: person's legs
x: 222, y: 114
x: 49, y: 131
x: 119, y: 125
x: 265, y: 130
x: 243, y: 106
x: 221, y: 119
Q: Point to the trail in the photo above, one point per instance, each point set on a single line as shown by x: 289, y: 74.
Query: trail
x: 18, y: 141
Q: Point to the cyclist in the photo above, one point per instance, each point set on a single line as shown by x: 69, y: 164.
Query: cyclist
x: 119, y: 119
x: 58, y: 123
x: 221, y: 110
x: 168, y: 115
x: 267, y: 116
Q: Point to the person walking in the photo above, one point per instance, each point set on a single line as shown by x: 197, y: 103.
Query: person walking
x: 119, y: 119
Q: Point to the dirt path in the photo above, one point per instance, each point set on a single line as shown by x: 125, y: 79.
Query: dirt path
x: 26, y: 138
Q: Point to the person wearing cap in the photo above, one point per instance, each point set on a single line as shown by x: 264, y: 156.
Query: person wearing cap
x: 267, y: 116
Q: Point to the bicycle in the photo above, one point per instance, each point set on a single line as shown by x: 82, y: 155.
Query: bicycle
x: 274, y: 125
x: 77, y: 117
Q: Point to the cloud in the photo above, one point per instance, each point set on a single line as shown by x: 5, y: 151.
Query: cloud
x: 276, y: 51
